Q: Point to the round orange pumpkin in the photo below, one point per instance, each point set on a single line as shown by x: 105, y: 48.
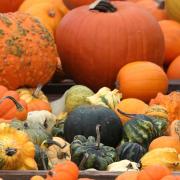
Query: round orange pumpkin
x: 9, y: 5
x: 142, y: 80
x: 173, y: 71
x: 107, y: 41
x: 171, y: 31
x: 131, y: 175
x: 154, y: 7
x: 130, y: 106
x: 28, y: 55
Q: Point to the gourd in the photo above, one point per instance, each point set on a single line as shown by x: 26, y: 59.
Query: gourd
x: 17, y: 151
x: 101, y: 69
x: 130, y: 151
x: 84, y: 119
x: 28, y: 65
x: 128, y: 175
x: 90, y: 153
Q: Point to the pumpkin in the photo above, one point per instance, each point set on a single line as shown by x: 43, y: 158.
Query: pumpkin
x: 84, y: 119
x: 163, y: 156
x: 171, y: 29
x: 173, y: 9
x: 110, y: 37
x: 21, y: 34
x: 37, y: 178
x: 17, y: 151
x: 130, y: 151
x: 76, y: 96
x: 35, y: 99
x: 9, y: 5
x: 90, y: 153
x: 105, y: 97
x: 36, y: 132
x: 122, y: 166
x: 148, y: 79
x: 174, y: 129
x: 166, y: 141
x: 130, y: 105
x: 11, y: 105
x: 128, y: 175
x: 173, y: 69
x: 57, y: 149
x: 155, y: 7
x: 153, y: 172
x: 171, y: 102
x: 171, y: 177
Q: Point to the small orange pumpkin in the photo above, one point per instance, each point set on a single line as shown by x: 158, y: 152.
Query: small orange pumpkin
x: 129, y: 175
x: 142, y: 80
x: 9, y: 5
x: 171, y: 177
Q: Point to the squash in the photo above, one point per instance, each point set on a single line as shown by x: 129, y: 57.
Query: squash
x: 130, y: 151
x: 110, y: 36
x: 17, y: 151
x: 90, y: 153
x: 84, y: 119
x: 170, y: 29
x: 132, y: 106
x: 11, y: 105
x: 163, y: 156
x: 131, y: 175
x: 171, y: 102
x: 9, y: 5
x: 149, y: 79
x: 57, y: 149
x: 37, y: 178
x: 173, y: 69
x: 28, y: 65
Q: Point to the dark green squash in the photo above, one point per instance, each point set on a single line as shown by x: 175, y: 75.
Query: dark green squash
x: 83, y: 121
x: 90, y: 153
x: 130, y: 151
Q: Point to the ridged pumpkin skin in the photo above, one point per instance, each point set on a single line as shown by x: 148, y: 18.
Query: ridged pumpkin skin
x: 142, y: 80
x: 173, y: 9
x: 28, y: 56
x: 173, y: 71
x: 107, y: 41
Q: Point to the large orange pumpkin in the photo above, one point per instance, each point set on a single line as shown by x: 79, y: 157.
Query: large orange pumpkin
x: 28, y: 55
x: 96, y: 45
x: 173, y: 71
x: 9, y: 5
x: 171, y: 31
x: 142, y: 80
x: 154, y: 7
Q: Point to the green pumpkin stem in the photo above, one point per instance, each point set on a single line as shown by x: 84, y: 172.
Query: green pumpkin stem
x: 37, y: 91
x: 83, y: 161
x: 126, y: 114
x: 11, y: 151
x: 103, y: 6
x: 19, y: 107
x: 50, y: 142
x: 98, y: 138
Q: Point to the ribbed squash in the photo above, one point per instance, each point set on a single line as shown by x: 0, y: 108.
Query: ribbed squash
x: 28, y: 56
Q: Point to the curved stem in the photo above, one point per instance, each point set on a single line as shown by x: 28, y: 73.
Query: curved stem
x: 98, y: 136
x: 19, y: 107
x: 126, y: 114
x: 103, y: 6
x: 83, y: 161
x: 50, y: 142
x: 37, y: 91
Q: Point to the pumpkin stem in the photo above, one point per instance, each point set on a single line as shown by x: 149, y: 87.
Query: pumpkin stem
x: 98, y: 138
x: 10, y: 151
x: 50, y: 142
x: 37, y: 91
x: 83, y: 161
x: 103, y: 6
x: 19, y: 107
x: 126, y: 114
x: 161, y: 4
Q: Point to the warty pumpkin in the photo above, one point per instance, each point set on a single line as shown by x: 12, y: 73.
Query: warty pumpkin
x: 123, y: 34
x: 142, y: 80
x: 11, y: 106
x: 171, y: 30
x: 28, y: 49
x: 9, y: 5
x: 17, y: 151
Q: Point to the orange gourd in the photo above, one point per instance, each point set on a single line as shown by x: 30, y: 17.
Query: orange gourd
x: 154, y: 172
x: 130, y: 106
x: 9, y: 5
x: 154, y: 7
x: 166, y: 141
x: 171, y: 31
x: 142, y: 80
x: 173, y: 71
x: 131, y: 175
x: 171, y: 102
x: 174, y: 129
x: 37, y: 178
x: 62, y: 175
x: 171, y: 177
